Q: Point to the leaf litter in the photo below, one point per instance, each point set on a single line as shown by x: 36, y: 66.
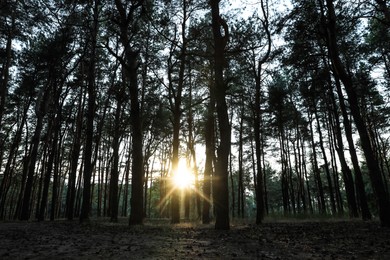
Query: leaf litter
x: 100, y: 239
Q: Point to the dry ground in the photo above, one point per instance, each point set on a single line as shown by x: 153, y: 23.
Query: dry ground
x: 160, y: 240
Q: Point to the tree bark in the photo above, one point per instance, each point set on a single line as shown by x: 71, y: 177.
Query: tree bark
x: 12, y: 155
x: 115, y: 165
x: 90, y: 115
x: 326, y: 164
x: 40, y: 112
x: 347, y: 174
x: 136, y: 203
x: 317, y: 175
x: 4, y: 77
x: 74, y: 160
x: 220, y: 182
x: 260, y: 182
x: 130, y: 66
x: 210, y: 148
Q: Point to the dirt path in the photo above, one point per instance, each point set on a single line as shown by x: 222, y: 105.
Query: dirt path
x: 104, y: 240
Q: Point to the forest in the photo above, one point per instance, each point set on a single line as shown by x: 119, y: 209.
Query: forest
x: 209, y: 111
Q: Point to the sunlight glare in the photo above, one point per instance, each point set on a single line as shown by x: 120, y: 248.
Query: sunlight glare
x: 183, y: 177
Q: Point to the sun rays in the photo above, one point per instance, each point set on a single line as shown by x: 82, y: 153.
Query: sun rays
x: 182, y: 179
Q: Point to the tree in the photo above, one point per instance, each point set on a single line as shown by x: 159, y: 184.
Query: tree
x: 220, y: 180
x: 128, y: 18
x: 257, y: 71
x: 210, y: 154
x: 329, y: 22
x: 175, y: 98
x: 90, y: 112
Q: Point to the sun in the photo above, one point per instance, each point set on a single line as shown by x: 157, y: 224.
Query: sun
x: 183, y: 177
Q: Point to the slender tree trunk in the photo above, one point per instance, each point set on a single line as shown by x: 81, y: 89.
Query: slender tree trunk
x: 50, y: 163
x: 130, y: 66
x: 187, y: 203
x: 360, y: 189
x: 210, y: 148
x: 126, y: 191
x: 317, y: 175
x: 232, y: 187
x: 4, y: 76
x: 177, y: 113
x: 333, y: 163
x: 74, y: 161
x: 309, y: 197
x: 79, y: 190
x: 326, y: 163
x: 284, y: 179
x: 115, y: 165
x: 372, y: 163
x: 146, y: 187
x: 290, y: 177
x: 297, y: 168
x: 40, y: 112
x: 261, y: 201
x: 240, y: 186
x: 347, y: 174
x: 301, y: 170
x: 56, y: 190
x: 91, y: 90
x: 9, y: 167
x: 191, y: 148
x: 106, y: 193
x: 43, y: 169
x: 220, y: 183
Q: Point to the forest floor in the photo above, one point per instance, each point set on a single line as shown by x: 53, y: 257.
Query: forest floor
x: 100, y: 239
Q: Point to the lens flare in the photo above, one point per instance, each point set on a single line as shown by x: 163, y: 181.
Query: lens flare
x: 183, y: 177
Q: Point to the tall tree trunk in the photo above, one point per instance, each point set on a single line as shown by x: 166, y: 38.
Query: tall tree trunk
x: 290, y: 177
x: 115, y: 164
x: 41, y: 109
x: 232, y: 186
x: 284, y: 178
x: 91, y: 90
x: 309, y: 197
x: 360, y: 189
x: 240, y: 186
x: 130, y: 66
x: 52, y: 154
x: 301, y: 165
x: 191, y: 148
x: 177, y: 113
x: 74, y: 160
x: 136, y: 203
x: 347, y: 174
x: 332, y: 143
x: 317, y: 175
x: 126, y: 188
x: 4, y: 76
x: 12, y: 155
x: 210, y: 154
x: 372, y: 163
x: 326, y: 163
x: 260, y: 183
x: 56, y: 189
x: 220, y: 182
